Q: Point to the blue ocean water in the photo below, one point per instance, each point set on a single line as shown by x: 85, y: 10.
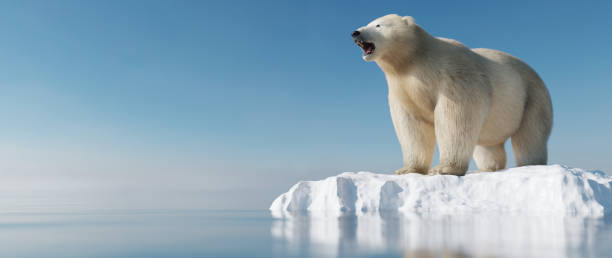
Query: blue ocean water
x: 179, y: 233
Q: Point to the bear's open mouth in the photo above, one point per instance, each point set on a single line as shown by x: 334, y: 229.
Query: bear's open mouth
x: 367, y: 47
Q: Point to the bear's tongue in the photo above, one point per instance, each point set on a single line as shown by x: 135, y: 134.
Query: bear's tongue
x: 368, y: 48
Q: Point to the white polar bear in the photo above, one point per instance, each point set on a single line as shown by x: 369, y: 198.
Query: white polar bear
x: 470, y: 100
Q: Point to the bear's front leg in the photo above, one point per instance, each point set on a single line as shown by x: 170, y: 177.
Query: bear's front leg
x: 457, y: 127
x: 416, y: 137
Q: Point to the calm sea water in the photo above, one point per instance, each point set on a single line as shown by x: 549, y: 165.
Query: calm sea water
x: 257, y: 234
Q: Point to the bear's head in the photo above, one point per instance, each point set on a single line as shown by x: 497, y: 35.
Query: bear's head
x: 385, y: 36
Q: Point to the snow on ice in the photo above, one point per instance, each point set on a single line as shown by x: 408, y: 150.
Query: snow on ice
x: 532, y: 189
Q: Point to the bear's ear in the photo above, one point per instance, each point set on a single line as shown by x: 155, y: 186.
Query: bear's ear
x: 408, y: 19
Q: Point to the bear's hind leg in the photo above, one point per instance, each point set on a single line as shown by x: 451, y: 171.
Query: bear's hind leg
x: 529, y: 148
x: 529, y: 152
x: 529, y: 141
x: 490, y: 158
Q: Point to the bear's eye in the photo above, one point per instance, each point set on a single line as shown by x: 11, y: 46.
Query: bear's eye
x: 377, y: 25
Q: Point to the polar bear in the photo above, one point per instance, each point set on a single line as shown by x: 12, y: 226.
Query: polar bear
x: 469, y: 100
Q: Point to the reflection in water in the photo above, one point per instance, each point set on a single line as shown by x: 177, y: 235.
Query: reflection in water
x: 474, y: 235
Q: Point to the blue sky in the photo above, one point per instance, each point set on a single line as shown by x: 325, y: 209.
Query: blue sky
x: 228, y: 103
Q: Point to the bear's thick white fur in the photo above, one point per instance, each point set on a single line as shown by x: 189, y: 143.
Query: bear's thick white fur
x: 469, y: 100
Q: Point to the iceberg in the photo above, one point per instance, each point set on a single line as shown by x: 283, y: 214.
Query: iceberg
x: 552, y: 189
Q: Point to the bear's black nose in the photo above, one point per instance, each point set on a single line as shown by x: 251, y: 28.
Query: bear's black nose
x: 355, y: 34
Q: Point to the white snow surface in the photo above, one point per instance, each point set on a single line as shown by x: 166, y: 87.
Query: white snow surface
x: 552, y: 189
